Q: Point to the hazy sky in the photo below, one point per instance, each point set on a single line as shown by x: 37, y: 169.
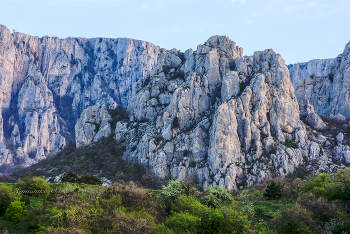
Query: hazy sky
x: 299, y: 30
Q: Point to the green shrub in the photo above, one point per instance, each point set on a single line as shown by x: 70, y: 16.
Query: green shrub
x: 7, y: 196
x: 224, y: 221
x: 343, y: 176
x: 176, y: 187
x: 318, y: 185
x: 294, y: 220
x: 161, y: 229
x: 191, y: 205
x: 69, y: 177
x: 216, y: 196
x: 35, y: 187
x: 89, y: 179
x: 86, y: 179
x: 183, y: 223
x: 273, y: 191
x: 16, y: 211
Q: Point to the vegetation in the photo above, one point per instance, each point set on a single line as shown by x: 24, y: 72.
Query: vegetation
x: 86, y: 179
x: 274, y: 191
x: 316, y: 204
x: 103, y: 158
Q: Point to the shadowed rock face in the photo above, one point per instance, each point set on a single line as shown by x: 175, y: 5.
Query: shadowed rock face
x: 45, y: 84
x: 210, y: 114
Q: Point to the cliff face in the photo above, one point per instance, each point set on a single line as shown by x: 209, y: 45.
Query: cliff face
x: 210, y: 114
x: 224, y: 119
x: 317, y: 67
x: 46, y: 83
x: 324, y: 84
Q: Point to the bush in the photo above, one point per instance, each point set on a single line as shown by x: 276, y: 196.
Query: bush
x: 211, y: 220
x: 176, y: 187
x: 86, y: 179
x: 343, y: 176
x: 294, y: 220
x: 6, y: 197
x: 320, y: 207
x: 16, y: 211
x: 191, y: 205
x: 318, y: 185
x: 273, y: 191
x: 183, y: 223
x: 36, y: 187
x: 89, y: 179
x: 216, y: 196
x: 69, y: 177
x: 224, y: 221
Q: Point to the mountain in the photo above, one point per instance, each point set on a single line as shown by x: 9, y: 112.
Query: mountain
x: 212, y: 114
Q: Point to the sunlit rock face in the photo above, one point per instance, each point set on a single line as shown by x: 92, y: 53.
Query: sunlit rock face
x: 211, y: 115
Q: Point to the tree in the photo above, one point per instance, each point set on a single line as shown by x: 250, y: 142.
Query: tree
x: 274, y: 191
x: 15, y: 211
x: 69, y: 177
x: 6, y: 197
x: 176, y: 187
x: 35, y: 187
x: 216, y: 196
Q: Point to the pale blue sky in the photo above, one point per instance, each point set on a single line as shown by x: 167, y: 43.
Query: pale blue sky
x: 299, y: 30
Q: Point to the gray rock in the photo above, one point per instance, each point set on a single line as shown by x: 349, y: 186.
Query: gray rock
x: 321, y: 139
x: 324, y: 87
x: 338, y: 118
x: 346, y: 157
x: 315, y: 121
x: 318, y: 67
x: 92, y: 126
x: 340, y: 137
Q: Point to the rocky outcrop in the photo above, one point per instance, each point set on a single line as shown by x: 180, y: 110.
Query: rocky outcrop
x: 92, y: 126
x: 46, y: 83
x: 317, y: 67
x: 221, y: 118
x: 324, y: 85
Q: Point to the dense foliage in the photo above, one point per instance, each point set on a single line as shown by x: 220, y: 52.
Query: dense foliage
x: 317, y: 204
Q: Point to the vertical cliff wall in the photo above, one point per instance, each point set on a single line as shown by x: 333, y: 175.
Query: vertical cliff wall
x: 324, y: 84
x: 46, y: 83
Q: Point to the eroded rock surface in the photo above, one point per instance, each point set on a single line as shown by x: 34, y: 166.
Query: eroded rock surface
x: 324, y: 84
x: 211, y: 114
x: 46, y: 83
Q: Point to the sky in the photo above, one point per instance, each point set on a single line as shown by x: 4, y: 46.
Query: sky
x: 299, y: 30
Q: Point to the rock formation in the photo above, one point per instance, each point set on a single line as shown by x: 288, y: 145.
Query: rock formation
x: 210, y: 114
x: 46, y: 83
x: 324, y: 84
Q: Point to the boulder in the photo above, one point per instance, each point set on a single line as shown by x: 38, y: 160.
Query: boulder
x: 315, y: 121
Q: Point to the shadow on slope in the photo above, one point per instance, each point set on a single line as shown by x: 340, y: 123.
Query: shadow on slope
x: 102, y: 159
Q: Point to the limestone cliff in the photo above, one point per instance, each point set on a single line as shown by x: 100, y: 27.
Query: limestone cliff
x: 324, y: 84
x: 46, y: 83
x: 211, y: 114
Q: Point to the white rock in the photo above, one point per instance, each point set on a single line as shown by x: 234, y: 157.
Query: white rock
x: 321, y: 139
x: 340, y: 137
x: 346, y: 157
